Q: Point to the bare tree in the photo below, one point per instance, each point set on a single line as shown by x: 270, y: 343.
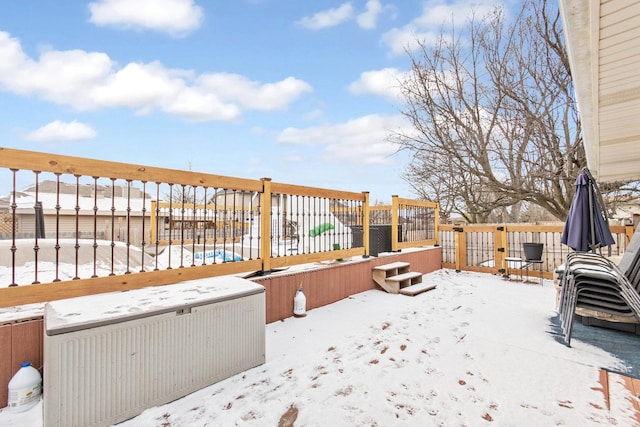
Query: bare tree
x: 182, y: 194
x: 496, y: 125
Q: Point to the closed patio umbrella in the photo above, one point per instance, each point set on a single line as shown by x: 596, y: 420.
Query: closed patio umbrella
x: 586, y: 227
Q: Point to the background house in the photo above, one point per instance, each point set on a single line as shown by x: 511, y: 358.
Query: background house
x: 627, y: 211
x: 81, y: 211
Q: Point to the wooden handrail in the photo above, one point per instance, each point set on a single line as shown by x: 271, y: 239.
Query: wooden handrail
x: 177, y: 220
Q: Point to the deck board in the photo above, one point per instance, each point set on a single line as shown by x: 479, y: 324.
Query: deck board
x: 607, y: 378
x: 417, y: 289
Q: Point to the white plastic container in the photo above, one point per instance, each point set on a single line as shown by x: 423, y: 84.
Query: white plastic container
x: 300, y: 304
x: 25, y: 388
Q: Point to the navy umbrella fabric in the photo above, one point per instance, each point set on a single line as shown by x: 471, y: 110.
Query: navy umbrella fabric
x: 586, y: 228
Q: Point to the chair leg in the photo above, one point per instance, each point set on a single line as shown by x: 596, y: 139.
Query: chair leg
x: 567, y: 322
x: 570, y: 328
x: 563, y: 292
x: 568, y: 311
x: 541, y: 278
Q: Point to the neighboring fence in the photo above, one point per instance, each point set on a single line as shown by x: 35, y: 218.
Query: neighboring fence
x: 99, y: 225
x: 483, y: 248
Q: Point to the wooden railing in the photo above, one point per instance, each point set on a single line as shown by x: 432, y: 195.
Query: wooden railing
x: 73, y: 226
x: 86, y: 226
x: 483, y: 248
x: 411, y: 223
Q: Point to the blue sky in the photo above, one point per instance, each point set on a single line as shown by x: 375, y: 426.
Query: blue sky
x: 302, y: 92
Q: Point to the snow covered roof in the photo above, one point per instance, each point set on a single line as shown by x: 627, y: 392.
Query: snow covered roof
x: 87, y: 199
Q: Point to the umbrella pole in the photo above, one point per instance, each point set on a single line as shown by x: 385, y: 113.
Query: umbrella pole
x: 595, y: 191
x: 591, y: 218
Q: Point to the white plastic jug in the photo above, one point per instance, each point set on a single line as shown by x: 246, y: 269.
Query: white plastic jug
x: 300, y: 304
x: 25, y: 388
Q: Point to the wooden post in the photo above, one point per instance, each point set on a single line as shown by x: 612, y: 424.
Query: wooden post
x: 394, y: 223
x: 628, y: 231
x: 436, y: 219
x: 456, y: 239
x: 501, y: 248
x: 365, y: 225
x: 265, y: 225
x: 460, y: 239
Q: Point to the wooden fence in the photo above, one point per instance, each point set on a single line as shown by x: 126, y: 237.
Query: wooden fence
x: 484, y: 248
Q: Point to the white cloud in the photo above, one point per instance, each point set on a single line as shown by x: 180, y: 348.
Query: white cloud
x: 194, y: 105
x: 428, y: 26
x: 176, y: 17
x: 91, y: 80
x: 328, y: 18
x: 383, y: 83
x: 359, y: 141
x: 368, y: 18
x: 252, y: 94
x: 138, y: 86
x: 63, y: 77
x: 61, y: 131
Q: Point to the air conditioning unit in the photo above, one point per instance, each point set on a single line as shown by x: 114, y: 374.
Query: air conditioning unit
x: 109, y: 357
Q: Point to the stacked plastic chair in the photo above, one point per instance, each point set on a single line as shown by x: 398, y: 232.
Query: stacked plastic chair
x: 596, y: 284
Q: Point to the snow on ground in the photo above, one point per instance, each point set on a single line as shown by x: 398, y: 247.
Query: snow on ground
x: 477, y: 350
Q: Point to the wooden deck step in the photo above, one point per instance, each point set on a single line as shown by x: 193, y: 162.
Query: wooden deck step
x: 403, y: 280
x: 419, y: 288
x: 392, y: 266
x: 395, y: 276
x: 404, y: 276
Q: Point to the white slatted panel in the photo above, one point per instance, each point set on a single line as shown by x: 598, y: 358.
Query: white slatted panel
x: 619, y: 89
x: 104, y: 375
x: 603, y: 43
